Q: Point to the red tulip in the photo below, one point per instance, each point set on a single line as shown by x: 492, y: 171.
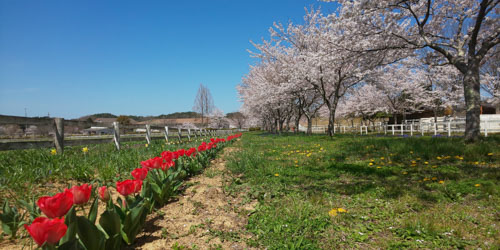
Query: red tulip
x: 104, y: 193
x: 191, y: 152
x: 167, y: 165
x: 126, y: 187
x: 137, y: 186
x: 81, y: 194
x: 44, y: 230
x: 140, y: 173
x: 167, y: 155
x: 57, y: 205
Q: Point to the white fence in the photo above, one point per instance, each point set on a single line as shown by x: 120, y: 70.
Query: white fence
x: 443, y: 126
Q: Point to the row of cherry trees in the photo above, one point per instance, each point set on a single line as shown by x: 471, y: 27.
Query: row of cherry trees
x: 373, y: 57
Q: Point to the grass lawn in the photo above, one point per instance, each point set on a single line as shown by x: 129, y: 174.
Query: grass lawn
x: 28, y: 174
x: 369, y: 192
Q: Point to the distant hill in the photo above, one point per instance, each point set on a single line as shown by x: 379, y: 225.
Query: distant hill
x: 176, y: 115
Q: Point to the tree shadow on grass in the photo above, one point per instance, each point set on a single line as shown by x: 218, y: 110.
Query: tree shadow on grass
x: 387, y: 182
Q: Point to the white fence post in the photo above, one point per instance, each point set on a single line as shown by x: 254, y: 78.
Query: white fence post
x: 189, y: 134
x: 166, y: 133
x: 485, y: 128
x: 179, y: 133
x: 402, y: 127
x: 411, y: 129
x: 393, y: 129
x: 148, y: 133
x: 385, y: 129
x: 435, y: 128
x: 116, y: 134
x: 449, y: 128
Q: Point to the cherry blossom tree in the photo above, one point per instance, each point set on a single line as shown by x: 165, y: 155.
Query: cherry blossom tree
x: 463, y: 32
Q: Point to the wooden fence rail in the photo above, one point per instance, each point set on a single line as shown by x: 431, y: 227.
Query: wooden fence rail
x: 59, y: 142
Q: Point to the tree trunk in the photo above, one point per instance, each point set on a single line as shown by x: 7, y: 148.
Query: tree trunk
x: 297, y: 123
x: 309, y: 125
x: 331, y: 118
x: 472, y: 104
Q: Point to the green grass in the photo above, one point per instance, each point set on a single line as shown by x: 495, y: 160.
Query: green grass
x: 27, y: 174
x: 417, y: 193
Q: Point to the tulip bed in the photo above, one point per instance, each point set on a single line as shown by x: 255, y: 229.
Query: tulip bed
x: 69, y: 223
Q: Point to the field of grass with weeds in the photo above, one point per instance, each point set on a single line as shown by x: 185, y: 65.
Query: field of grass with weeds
x: 369, y: 192
x: 28, y: 174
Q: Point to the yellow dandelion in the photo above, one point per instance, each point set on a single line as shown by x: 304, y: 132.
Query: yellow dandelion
x: 85, y: 150
x: 370, y: 164
x: 333, y: 212
x: 390, y: 162
x: 146, y: 145
x: 381, y: 158
x: 411, y: 152
x: 405, y: 172
x: 490, y: 154
x: 426, y: 179
x: 477, y: 185
x: 53, y: 152
x: 476, y: 163
x: 276, y: 174
x: 439, y: 158
x: 413, y: 162
x: 341, y: 210
x: 418, y: 159
x: 434, y: 178
x: 379, y: 167
x: 441, y: 182
x: 434, y: 166
x: 426, y: 163
x: 372, y: 160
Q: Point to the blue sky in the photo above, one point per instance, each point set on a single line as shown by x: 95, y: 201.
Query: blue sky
x: 73, y: 58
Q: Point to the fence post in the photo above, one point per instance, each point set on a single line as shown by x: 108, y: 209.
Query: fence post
x: 366, y: 130
x: 449, y: 128
x: 485, y: 128
x: 385, y: 129
x: 421, y: 126
x: 402, y: 129
x: 148, y: 133
x: 411, y: 129
x: 116, y: 134
x: 179, y: 133
x: 59, y: 134
x: 194, y: 133
x: 189, y: 134
x: 435, y: 128
x: 166, y: 133
x: 361, y: 129
x: 393, y: 128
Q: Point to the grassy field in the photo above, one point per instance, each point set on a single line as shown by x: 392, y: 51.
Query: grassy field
x: 369, y: 192
x: 27, y: 174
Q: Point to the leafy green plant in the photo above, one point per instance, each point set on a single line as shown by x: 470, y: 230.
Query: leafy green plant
x: 11, y: 219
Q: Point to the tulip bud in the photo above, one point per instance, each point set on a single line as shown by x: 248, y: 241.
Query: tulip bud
x: 104, y: 193
x: 81, y: 194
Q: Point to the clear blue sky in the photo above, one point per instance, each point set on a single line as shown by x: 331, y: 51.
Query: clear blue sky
x: 73, y: 58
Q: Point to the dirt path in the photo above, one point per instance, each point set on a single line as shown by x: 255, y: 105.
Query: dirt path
x: 204, y: 217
